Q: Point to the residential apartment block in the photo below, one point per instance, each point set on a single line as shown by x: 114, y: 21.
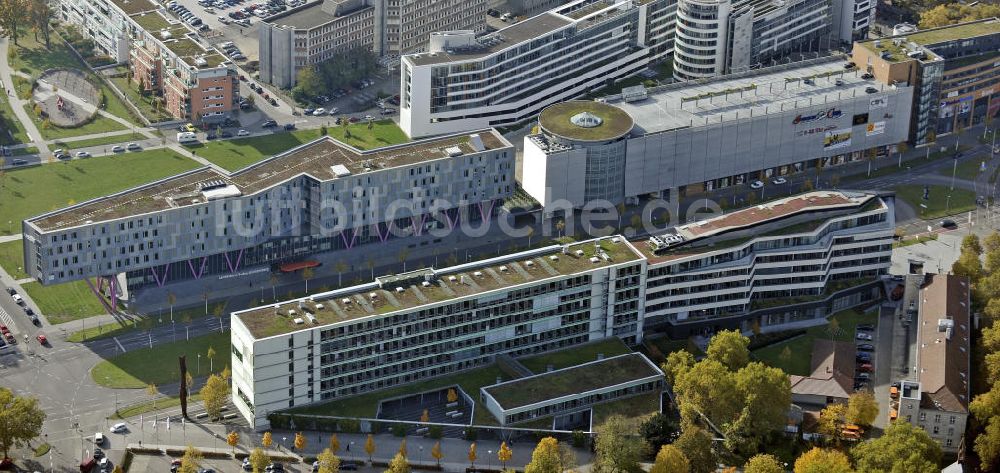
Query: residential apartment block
x: 798, y: 258
x: 166, y: 56
x: 935, y: 397
x: 467, y: 81
x: 953, y: 70
x: 319, y: 197
x: 686, y: 138
x: 316, y: 31
x: 414, y: 326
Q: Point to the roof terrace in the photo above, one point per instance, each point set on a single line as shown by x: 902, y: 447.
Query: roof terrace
x: 410, y: 290
x: 315, y: 159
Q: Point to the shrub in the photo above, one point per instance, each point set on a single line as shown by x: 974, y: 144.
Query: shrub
x: 471, y: 435
x: 579, y: 439
x: 216, y: 455
x: 435, y: 432
x: 351, y: 426
x: 146, y: 451
x: 399, y: 430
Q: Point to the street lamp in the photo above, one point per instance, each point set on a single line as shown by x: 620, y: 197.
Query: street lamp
x: 199, y: 363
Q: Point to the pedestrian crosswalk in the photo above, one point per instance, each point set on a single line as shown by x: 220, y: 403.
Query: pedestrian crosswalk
x: 5, y: 319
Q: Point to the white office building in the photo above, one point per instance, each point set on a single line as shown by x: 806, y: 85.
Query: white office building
x: 466, y: 81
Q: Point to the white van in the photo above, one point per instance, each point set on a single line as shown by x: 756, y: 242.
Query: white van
x: 186, y: 137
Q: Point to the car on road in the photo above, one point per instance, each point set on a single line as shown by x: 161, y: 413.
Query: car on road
x: 247, y: 466
x: 242, y: 132
x: 269, y: 124
x: 871, y: 90
x: 82, y: 154
x: 862, y: 376
x: 210, y: 136
x: 948, y: 223
x: 18, y: 162
x: 42, y: 339
x: 11, y: 291
x: 863, y: 336
x: 119, y: 428
x: 98, y: 453
x: 190, y: 127
x: 133, y: 147
x: 866, y: 347
x: 319, y: 112
x: 756, y: 185
x: 778, y: 181
x: 289, y: 126
x: 865, y: 327
x: 353, y: 119
x: 863, y: 357
x: 4, y: 330
x: 118, y: 149
x: 348, y: 467
x: 275, y: 467
x: 17, y: 298
x: 865, y: 368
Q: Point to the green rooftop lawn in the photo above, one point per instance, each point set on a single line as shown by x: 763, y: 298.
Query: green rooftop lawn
x: 239, y: 153
x: 366, y: 405
x: 184, y: 47
x: 12, y: 256
x: 608, y: 372
x: 635, y: 409
x: 34, y: 190
x: 64, y: 302
x: 967, y: 169
x: 158, y: 365
x: 800, y: 360
x: 556, y: 119
x: 938, y: 205
x: 576, y: 355
x: 968, y: 30
x: 151, y: 21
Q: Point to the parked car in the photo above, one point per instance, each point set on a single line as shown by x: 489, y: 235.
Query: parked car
x: 319, y: 112
x: 269, y: 124
x: 865, y: 368
x: 948, y: 223
x: 17, y: 299
x: 133, y: 147
x: 242, y: 132
x: 778, y: 181
x: 864, y: 357
x: 18, y: 162
x: 756, y: 185
x: 865, y: 327
x: 42, y: 339
x: 190, y: 127
x: 863, y: 336
x: 82, y: 154
x: 866, y: 347
x: 226, y: 134
x: 99, y: 438
x: 119, y: 428
x: 871, y: 90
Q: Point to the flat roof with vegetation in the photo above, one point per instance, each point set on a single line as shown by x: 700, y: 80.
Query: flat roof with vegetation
x: 574, y: 380
x: 555, y: 119
x: 449, y: 283
x: 932, y: 36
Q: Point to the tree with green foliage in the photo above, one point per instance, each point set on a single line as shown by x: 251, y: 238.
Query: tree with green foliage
x: 670, y: 460
x: 310, y: 82
x: 766, y: 394
x: 729, y: 347
x: 40, y: 13
x: 677, y: 362
x: 820, y: 460
x: 215, y: 394
x: 11, y: 14
x: 21, y: 420
x: 831, y: 421
x: 902, y: 448
x: 616, y: 450
x: 763, y: 463
x: 660, y: 429
x: 862, y: 408
x: 696, y: 444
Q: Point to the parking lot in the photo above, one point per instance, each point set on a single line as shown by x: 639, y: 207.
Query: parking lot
x: 244, y: 36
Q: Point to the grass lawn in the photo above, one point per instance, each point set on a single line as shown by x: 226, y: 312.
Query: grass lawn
x: 887, y: 167
x: 967, y: 169
x: 938, y: 205
x: 107, y: 140
x: 575, y: 355
x: 239, y: 153
x: 635, y: 409
x: 366, y: 405
x: 100, y: 124
x: 64, y: 302
x: 150, y: 406
x: 12, y: 258
x: 32, y: 57
x: 38, y: 189
x: 915, y: 241
x: 158, y: 365
x: 24, y: 151
x: 145, y: 104
x: 11, y: 130
x: 801, y: 347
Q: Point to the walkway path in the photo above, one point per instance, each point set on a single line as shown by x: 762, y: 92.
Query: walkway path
x: 15, y: 102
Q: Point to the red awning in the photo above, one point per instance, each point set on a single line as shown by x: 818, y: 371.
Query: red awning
x: 292, y: 267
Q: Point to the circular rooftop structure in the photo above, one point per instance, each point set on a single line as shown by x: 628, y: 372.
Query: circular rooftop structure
x: 580, y: 120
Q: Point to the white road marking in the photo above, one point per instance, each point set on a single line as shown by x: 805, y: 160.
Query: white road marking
x: 119, y: 344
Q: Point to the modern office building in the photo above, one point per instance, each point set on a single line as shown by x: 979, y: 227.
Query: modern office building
x: 314, y: 32
x: 319, y: 197
x: 935, y: 397
x: 798, y: 258
x: 165, y: 55
x: 953, y: 71
x: 688, y: 138
x: 414, y: 326
x: 570, y: 390
x: 311, y: 34
x: 716, y: 37
x: 466, y: 81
